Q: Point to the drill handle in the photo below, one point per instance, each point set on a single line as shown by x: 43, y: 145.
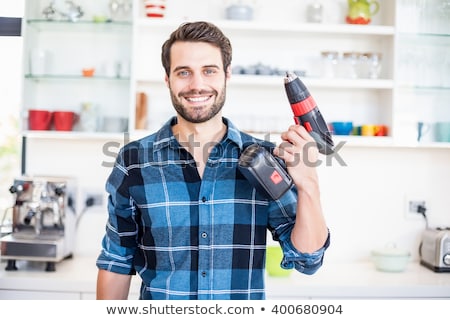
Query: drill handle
x: 318, y: 129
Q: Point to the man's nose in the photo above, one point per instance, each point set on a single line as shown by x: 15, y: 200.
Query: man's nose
x: 196, y: 81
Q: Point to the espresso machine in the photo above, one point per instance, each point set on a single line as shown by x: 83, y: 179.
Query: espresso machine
x: 43, y: 222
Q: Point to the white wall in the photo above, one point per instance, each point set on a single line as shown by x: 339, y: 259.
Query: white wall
x: 364, y: 201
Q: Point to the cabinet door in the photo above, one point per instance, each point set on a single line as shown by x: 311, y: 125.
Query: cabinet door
x: 423, y: 60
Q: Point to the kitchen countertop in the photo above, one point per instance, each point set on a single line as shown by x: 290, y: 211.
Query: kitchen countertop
x: 333, y: 280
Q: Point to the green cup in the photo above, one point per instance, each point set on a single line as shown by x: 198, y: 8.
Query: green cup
x: 442, y: 131
x: 274, y: 255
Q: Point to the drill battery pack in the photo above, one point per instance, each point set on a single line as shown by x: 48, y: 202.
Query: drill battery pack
x: 264, y: 171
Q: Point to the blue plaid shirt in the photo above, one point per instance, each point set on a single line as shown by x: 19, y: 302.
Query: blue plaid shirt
x: 193, y: 238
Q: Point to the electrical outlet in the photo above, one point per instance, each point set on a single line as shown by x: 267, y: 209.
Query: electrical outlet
x: 92, y: 198
x: 412, y: 208
x: 95, y: 199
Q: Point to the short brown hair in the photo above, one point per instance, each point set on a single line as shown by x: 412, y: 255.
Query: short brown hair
x: 199, y: 31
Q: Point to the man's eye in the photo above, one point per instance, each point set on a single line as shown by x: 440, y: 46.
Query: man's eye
x: 210, y: 71
x: 183, y: 73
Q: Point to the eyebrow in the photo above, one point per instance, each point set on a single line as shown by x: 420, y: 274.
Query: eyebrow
x: 203, y: 67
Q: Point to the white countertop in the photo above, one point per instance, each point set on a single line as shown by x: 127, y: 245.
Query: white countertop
x: 333, y: 280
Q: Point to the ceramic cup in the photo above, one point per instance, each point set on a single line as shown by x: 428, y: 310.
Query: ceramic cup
x: 368, y: 130
x: 442, y: 131
x: 341, y: 128
x: 274, y: 255
x: 64, y: 120
x: 39, y: 119
x: 40, y: 61
x: 381, y: 130
x: 425, y: 132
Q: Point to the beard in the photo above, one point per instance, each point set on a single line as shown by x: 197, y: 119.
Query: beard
x: 198, y: 115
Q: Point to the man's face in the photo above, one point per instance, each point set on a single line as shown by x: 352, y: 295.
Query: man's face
x: 197, y: 81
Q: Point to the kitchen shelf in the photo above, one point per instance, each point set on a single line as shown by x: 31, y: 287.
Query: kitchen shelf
x: 75, y: 135
x: 280, y: 28
x: 276, y: 80
x: 79, y: 26
x: 55, y: 77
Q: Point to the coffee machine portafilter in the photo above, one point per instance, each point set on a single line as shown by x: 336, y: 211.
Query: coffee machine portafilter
x: 44, y: 221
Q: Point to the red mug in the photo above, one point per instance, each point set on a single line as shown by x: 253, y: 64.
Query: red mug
x: 64, y: 120
x: 39, y: 119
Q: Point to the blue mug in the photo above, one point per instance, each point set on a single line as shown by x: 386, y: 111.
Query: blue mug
x: 341, y: 128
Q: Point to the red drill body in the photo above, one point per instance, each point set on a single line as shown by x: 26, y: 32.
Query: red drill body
x: 307, y: 114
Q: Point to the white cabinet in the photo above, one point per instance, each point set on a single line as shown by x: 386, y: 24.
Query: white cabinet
x: 257, y: 103
x: 58, y: 50
x: 279, y: 38
x: 423, y: 71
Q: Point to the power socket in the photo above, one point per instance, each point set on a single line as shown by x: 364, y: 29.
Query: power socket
x: 415, y: 205
x: 413, y: 208
x: 94, y: 199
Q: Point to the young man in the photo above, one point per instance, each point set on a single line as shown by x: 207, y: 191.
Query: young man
x: 181, y: 214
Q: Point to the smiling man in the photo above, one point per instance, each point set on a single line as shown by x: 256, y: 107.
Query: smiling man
x: 181, y: 215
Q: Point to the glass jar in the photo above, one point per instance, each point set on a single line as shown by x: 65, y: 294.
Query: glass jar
x: 314, y: 12
x: 350, y: 65
x: 372, y: 62
x: 329, y: 63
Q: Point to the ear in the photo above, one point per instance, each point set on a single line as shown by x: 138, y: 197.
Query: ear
x: 228, y: 72
x: 166, y: 80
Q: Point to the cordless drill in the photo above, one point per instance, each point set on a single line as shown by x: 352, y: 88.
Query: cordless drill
x: 307, y: 114
x: 268, y: 174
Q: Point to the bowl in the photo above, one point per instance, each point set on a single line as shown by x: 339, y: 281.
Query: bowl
x: 390, y: 259
x: 341, y: 128
x: 274, y: 255
x: 88, y: 72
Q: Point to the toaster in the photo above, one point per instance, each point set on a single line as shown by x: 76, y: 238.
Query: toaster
x: 434, y: 249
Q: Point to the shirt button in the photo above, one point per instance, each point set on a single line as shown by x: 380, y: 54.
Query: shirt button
x: 204, y: 199
x: 203, y: 273
x: 204, y: 235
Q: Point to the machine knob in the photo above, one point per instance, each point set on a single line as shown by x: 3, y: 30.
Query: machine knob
x: 59, y: 191
x: 28, y: 217
x: 18, y: 188
x: 446, y: 259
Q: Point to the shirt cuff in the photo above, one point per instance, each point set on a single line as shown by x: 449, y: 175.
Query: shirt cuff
x: 307, y: 263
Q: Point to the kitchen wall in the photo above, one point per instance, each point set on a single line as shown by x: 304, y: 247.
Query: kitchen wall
x: 363, y: 200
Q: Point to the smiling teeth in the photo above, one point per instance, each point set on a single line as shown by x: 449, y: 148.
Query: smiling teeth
x: 199, y: 99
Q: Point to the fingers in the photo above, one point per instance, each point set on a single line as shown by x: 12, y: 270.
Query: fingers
x: 295, y: 141
x: 295, y: 134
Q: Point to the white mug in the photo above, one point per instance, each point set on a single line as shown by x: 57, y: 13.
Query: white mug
x: 40, y: 61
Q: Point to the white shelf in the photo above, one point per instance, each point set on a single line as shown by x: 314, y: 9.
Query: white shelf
x: 276, y: 80
x: 74, y: 135
x: 279, y: 28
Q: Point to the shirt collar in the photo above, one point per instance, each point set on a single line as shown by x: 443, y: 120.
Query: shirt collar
x: 165, y: 137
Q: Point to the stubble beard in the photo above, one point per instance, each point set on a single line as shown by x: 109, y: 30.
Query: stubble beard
x: 195, y: 116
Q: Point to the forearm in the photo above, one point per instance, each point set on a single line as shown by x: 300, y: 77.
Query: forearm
x: 112, y: 286
x: 310, y: 231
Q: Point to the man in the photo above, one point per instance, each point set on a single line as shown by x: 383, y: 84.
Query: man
x: 181, y: 214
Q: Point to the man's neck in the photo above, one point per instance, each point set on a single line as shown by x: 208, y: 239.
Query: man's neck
x: 199, y: 134
x: 199, y: 138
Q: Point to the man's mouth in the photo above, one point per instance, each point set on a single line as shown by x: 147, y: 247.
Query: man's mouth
x: 198, y: 99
